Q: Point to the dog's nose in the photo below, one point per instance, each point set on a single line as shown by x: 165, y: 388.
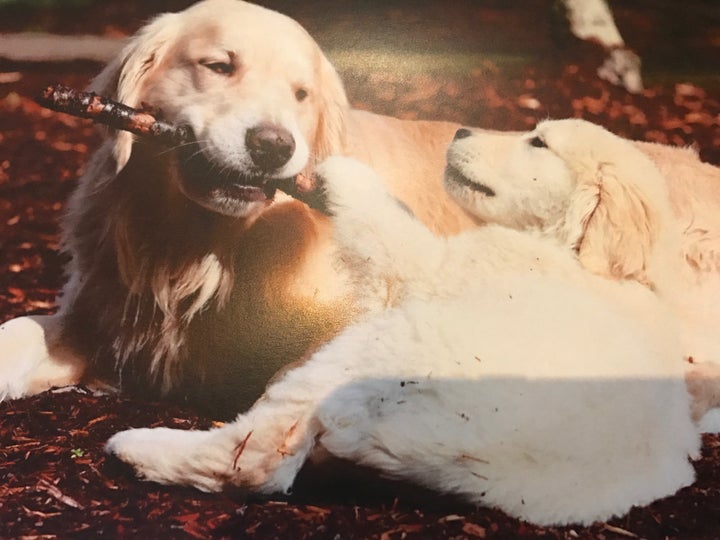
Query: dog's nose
x: 462, y: 133
x: 270, y: 146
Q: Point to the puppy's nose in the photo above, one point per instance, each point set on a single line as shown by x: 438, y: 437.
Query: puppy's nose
x: 462, y: 133
x: 270, y: 146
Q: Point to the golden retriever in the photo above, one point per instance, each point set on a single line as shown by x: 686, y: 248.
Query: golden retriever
x: 189, y: 274
x: 629, y: 210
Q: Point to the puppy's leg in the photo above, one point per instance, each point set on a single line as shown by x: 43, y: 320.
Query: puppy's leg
x: 379, y: 239
x: 263, y: 449
x: 260, y: 451
x: 369, y: 219
x: 33, y: 357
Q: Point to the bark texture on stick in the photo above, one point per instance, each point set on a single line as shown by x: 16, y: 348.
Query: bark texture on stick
x: 111, y: 113
x: 306, y: 188
x: 142, y: 122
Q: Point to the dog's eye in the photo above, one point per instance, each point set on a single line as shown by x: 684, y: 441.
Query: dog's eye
x: 222, y: 68
x: 537, y: 142
x: 301, y: 94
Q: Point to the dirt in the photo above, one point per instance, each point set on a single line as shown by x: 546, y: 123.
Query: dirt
x: 55, y: 480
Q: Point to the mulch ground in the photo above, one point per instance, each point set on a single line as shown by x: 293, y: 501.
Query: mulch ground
x: 55, y: 480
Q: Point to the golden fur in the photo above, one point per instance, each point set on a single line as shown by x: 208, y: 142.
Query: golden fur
x: 182, y: 290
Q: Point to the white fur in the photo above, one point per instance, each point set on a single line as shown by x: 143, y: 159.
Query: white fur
x: 39, y: 358
x: 606, y: 200
x: 490, y: 365
x: 28, y: 350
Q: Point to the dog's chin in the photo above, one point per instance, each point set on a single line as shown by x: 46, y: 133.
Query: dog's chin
x: 455, y: 180
x: 222, y: 189
x: 230, y: 206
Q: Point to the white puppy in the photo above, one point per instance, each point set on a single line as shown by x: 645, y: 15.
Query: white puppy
x: 605, y: 198
x: 490, y: 365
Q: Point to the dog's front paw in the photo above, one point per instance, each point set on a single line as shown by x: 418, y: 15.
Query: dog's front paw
x: 172, y: 456
x: 26, y: 365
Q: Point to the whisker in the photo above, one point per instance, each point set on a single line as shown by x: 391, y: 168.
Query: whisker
x: 196, y: 153
x: 183, y: 145
x: 175, y: 147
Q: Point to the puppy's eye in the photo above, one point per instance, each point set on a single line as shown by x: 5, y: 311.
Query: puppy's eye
x: 221, y: 68
x: 537, y: 142
x: 301, y: 94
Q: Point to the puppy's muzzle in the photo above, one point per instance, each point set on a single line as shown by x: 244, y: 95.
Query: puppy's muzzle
x: 270, y: 146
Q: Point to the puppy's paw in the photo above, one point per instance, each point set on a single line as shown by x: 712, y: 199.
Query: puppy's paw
x: 172, y: 456
x: 349, y: 184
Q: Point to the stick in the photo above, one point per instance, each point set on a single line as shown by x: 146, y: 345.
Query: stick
x: 307, y: 189
x: 111, y: 113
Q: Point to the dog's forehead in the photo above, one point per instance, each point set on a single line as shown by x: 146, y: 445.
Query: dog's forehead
x: 236, y: 21
x: 253, y: 36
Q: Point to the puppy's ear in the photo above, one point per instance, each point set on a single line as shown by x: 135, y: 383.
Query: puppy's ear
x: 334, y: 107
x: 124, y: 78
x: 621, y: 223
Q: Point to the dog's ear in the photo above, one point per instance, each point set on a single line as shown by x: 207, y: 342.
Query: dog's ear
x: 125, y: 77
x: 620, y: 223
x: 333, y: 104
x: 618, y: 219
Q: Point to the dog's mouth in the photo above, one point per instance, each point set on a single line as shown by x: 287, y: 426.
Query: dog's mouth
x: 207, y: 179
x: 454, y: 175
